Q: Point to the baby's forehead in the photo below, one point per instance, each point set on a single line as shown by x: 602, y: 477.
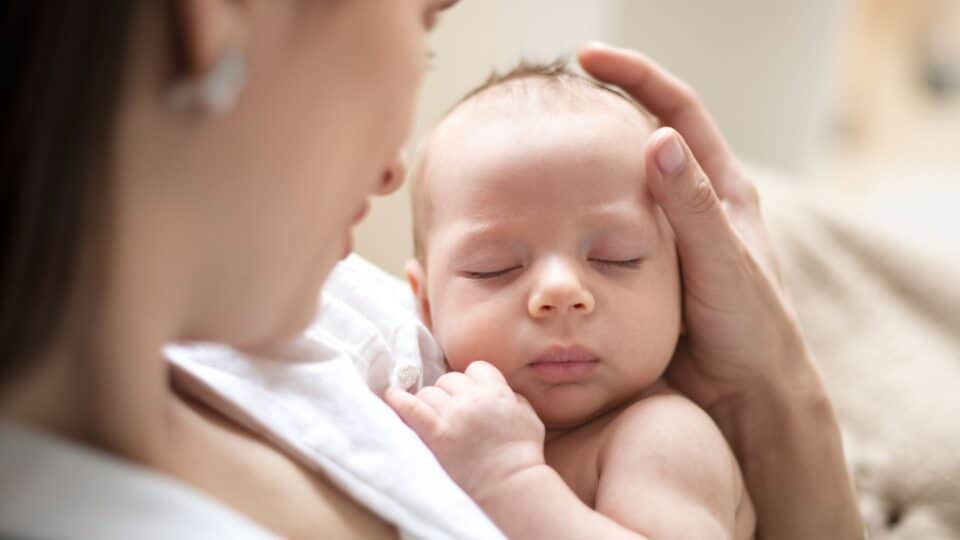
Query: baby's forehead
x: 535, y: 118
x: 518, y: 122
x: 547, y: 96
x: 533, y: 108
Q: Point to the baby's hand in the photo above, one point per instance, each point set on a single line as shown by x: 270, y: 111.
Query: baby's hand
x: 478, y: 428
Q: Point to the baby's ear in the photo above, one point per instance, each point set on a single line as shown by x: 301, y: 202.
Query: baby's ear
x: 417, y: 279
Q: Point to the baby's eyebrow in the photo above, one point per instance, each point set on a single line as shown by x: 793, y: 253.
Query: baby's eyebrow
x: 482, y: 230
x: 618, y: 217
x: 486, y: 236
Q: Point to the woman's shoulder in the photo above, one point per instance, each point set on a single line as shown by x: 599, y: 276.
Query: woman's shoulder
x: 254, y: 477
x: 51, y: 487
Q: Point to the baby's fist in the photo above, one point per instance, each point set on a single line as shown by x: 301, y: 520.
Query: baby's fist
x: 480, y: 430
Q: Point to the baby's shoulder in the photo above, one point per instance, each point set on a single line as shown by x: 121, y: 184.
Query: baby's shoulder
x: 669, y: 424
x: 664, y: 407
x: 668, y: 440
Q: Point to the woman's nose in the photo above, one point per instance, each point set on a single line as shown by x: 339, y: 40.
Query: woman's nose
x: 559, y: 291
x: 393, y: 177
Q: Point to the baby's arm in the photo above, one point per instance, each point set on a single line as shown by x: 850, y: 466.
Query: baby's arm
x: 491, y: 443
x: 667, y: 472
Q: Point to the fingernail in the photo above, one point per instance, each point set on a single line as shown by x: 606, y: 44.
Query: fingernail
x: 394, y: 390
x: 671, y: 158
x: 598, y: 45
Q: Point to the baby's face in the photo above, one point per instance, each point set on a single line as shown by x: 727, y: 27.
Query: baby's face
x: 548, y: 258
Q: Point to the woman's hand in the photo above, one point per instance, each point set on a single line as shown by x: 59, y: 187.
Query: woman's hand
x: 743, y: 358
x: 478, y: 428
x: 738, y: 322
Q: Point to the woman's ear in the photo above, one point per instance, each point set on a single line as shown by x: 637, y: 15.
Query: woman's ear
x: 417, y: 278
x: 206, y: 30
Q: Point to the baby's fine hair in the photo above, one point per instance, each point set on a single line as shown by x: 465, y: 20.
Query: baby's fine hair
x: 551, y: 84
x: 556, y: 75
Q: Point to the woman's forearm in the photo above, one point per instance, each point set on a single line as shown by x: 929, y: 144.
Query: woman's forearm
x: 788, y: 441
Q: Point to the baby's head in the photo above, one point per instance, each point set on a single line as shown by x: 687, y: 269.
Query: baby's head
x: 539, y: 248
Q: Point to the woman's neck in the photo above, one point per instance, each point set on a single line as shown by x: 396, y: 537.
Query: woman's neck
x: 108, y: 389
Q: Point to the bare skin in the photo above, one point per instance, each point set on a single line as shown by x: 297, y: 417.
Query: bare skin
x: 614, y: 464
x: 251, y: 476
x: 772, y: 405
x: 200, y: 203
x: 547, y: 229
x: 756, y: 380
x: 191, y: 250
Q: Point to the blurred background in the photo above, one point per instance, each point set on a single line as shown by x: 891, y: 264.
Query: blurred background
x: 849, y: 95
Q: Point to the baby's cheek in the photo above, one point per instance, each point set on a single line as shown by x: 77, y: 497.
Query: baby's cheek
x: 469, y: 339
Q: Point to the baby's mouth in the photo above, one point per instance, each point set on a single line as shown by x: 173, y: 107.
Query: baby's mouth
x: 565, y: 364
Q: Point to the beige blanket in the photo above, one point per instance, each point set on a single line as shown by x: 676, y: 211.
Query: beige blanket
x: 875, y: 275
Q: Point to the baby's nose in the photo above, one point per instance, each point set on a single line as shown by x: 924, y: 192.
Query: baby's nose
x: 560, y: 292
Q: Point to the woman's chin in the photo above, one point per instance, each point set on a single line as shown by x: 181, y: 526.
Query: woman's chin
x: 292, y: 327
x: 300, y: 311
x: 347, y: 245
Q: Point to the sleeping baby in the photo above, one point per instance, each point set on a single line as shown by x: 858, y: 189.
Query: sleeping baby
x: 549, y: 278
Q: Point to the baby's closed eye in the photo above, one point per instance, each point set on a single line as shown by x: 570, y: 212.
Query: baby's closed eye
x: 630, y: 263
x: 491, y: 273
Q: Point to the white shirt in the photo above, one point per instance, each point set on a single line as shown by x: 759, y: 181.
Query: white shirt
x: 53, y: 488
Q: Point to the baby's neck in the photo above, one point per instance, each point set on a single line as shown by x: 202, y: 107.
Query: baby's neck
x: 603, y: 415
x: 599, y: 417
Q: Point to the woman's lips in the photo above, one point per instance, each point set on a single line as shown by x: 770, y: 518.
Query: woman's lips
x: 362, y: 213
x: 348, y: 236
x: 560, y: 364
x: 347, y: 245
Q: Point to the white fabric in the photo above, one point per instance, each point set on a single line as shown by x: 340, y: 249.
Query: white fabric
x: 373, y: 316
x: 52, y: 488
x: 316, y: 400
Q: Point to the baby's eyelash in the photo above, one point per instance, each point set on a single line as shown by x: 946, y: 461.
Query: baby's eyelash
x: 431, y: 56
x: 627, y: 263
x: 489, y: 275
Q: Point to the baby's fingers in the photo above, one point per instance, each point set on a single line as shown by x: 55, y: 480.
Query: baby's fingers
x: 485, y: 372
x: 437, y: 398
x: 454, y: 383
x: 414, y: 411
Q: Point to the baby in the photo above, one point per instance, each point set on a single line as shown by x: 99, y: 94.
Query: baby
x: 540, y: 250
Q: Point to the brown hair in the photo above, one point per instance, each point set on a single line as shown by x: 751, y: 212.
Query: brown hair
x: 557, y: 72
x: 64, y: 60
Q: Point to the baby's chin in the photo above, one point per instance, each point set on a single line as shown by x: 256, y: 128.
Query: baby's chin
x: 575, y: 411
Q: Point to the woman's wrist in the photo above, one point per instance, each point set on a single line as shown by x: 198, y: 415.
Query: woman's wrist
x: 787, y: 439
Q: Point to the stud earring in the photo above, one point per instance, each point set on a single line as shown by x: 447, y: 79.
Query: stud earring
x: 217, y: 91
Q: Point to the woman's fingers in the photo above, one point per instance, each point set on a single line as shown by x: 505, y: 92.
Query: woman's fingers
x: 675, y: 104
x: 705, y: 238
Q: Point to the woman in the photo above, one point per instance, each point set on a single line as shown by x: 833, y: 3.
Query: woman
x: 191, y: 169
